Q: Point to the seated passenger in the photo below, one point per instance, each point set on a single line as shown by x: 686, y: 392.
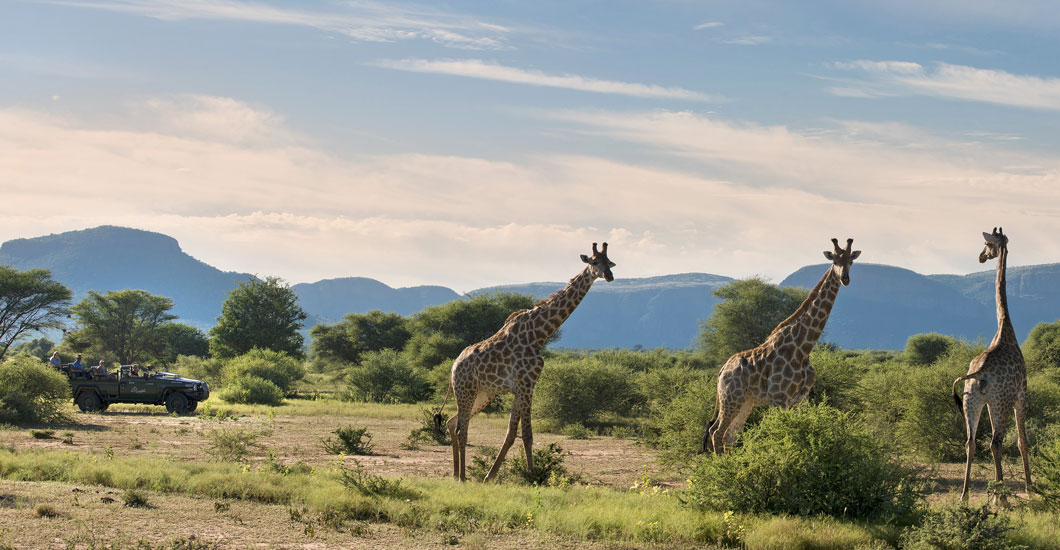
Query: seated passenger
x: 77, y: 366
x: 100, y: 370
x: 55, y: 361
x: 135, y: 371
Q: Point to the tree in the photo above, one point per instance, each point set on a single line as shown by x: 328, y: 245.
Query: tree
x: 749, y: 310
x: 925, y: 349
x: 40, y: 348
x: 183, y: 339
x: 441, y: 332
x: 259, y: 314
x: 1042, y: 348
x: 30, y: 301
x: 359, y: 333
x: 126, y: 323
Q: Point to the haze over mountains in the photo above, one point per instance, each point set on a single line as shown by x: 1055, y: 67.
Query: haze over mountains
x: 881, y: 308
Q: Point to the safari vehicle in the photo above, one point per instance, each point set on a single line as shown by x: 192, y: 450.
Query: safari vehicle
x: 94, y: 391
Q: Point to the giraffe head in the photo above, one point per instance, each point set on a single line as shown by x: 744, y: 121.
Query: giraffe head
x: 841, y: 259
x: 599, y: 264
x: 994, y: 243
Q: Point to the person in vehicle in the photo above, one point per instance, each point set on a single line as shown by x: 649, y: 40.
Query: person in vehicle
x: 77, y: 366
x: 99, y: 370
x: 55, y: 360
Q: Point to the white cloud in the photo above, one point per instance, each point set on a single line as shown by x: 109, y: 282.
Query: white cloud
x: 750, y: 200
x: 361, y: 20
x: 748, y: 40
x: 956, y: 82
x: 708, y: 25
x: 476, y: 68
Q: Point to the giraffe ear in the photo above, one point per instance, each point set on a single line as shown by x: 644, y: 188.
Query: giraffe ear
x: 854, y: 255
x: 829, y: 255
x: 988, y: 237
x: 585, y: 258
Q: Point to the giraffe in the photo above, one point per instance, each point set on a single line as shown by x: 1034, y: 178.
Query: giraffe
x: 510, y: 361
x: 778, y: 372
x: 996, y: 378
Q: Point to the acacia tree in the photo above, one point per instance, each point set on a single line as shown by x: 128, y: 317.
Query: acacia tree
x: 183, y: 339
x: 749, y: 310
x: 126, y: 323
x: 30, y: 301
x: 359, y: 333
x: 259, y: 314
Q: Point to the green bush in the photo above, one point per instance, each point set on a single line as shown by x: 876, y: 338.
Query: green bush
x: 275, y: 366
x: 210, y: 371
x: 233, y: 444
x: 960, y: 528
x: 350, y: 441
x: 31, y: 391
x: 584, y: 390
x: 807, y: 460
x: 925, y: 349
x: 252, y: 390
x: 1046, y: 463
x: 1041, y: 350
x: 387, y: 377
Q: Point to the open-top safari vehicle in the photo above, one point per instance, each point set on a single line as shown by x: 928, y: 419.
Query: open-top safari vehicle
x: 95, y: 390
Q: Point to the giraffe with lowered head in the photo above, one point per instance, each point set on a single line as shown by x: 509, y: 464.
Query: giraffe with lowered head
x: 997, y: 377
x: 510, y: 361
x: 778, y: 372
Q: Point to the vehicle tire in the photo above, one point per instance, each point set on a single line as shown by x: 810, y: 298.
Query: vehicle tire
x: 88, y: 401
x: 192, y: 405
x: 103, y: 407
x: 177, y: 402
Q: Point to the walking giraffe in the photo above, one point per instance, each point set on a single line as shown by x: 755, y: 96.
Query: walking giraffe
x: 996, y: 378
x: 778, y: 372
x: 510, y: 361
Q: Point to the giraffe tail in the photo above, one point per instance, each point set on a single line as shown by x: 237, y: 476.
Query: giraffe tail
x: 956, y: 396
x: 706, y: 432
x: 439, y: 418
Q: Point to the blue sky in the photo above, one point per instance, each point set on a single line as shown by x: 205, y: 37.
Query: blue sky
x: 479, y: 143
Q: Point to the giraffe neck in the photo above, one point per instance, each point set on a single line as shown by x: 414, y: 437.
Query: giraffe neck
x: 813, y: 314
x: 551, y: 312
x: 1005, y: 331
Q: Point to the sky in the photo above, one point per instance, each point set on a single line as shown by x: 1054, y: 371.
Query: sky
x: 472, y: 144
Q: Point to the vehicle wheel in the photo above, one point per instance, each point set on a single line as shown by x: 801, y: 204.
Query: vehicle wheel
x: 192, y: 405
x: 103, y: 407
x: 88, y: 401
x: 177, y: 403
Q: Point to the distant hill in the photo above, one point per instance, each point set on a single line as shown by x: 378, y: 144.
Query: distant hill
x: 115, y: 258
x: 651, y: 312
x: 329, y: 300
x: 881, y: 308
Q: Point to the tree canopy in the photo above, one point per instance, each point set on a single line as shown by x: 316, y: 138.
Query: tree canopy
x: 1041, y: 350
x: 259, y: 314
x: 442, y: 332
x: 359, y: 333
x: 125, y: 323
x: 183, y: 339
x: 30, y: 301
x: 749, y: 310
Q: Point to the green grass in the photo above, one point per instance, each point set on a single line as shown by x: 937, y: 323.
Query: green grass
x: 578, y: 512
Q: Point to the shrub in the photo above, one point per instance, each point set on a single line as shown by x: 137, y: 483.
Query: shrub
x: 1047, y: 470
x: 134, y: 499
x: 960, y: 528
x: 807, y: 460
x: 925, y: 349
x: 427, y: 432
x: 233, y: 444
x: 210, y: 371
x: 42, y: 434
x: 351, y: 441
x: 275, y: 366
x: 252, y: 390
x: 584, y: 390
x: 31, y: 391
x: 548, y: 466
x: 370, y: 485
x: 387, y: 377
x: 1042, y: 347
x: 677, y: 429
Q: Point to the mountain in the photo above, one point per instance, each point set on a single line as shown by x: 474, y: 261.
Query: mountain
x: 115, y: 258
x: 881, y: 308
x: 651, y: 312
x: 329, y: 300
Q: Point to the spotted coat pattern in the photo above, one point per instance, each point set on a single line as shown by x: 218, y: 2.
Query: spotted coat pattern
x: 778, y: 372
x: 510, y: 362
x: 997, y: 378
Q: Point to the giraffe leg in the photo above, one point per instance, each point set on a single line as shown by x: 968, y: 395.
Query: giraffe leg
x: 737, y: 423
x: 454, y: 439
x: 509, y: 438
x: 707, y: 430
x: 723, y: 432
x: 973, y: 407
x: 528, y: 439
x: 1021, y: 431
x: 998, y: 425
x: 458, y: 432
